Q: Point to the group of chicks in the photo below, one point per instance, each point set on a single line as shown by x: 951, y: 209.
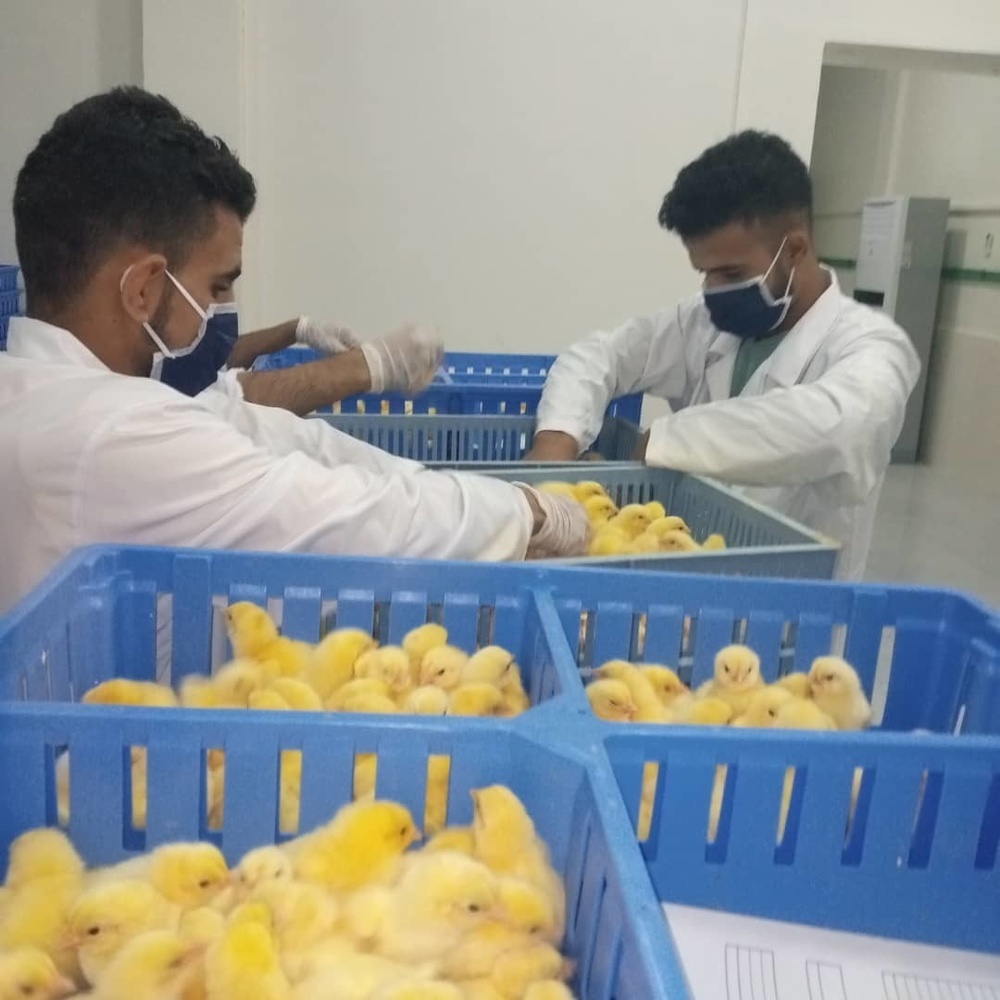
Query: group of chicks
x: 346, y: 672
x: 632, y: 530
x: 346, y: 911
x: 829, y: 697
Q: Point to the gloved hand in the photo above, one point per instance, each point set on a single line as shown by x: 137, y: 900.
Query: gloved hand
x: 565, y: 530
x: 324, y: 336
x: 404, y: 361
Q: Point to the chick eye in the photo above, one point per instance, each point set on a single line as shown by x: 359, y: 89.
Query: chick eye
x: 829, y: 677
x: 27, y: 990
x: 93, y: 931
x: 772, y: 712
x: 175, y: 964
x: 440, y: 673
x: 204, y: 883
x: 534, y: 929
x: 474, y: 908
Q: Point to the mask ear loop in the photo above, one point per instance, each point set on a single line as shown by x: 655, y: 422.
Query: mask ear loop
x: 150, y: 332
x: 791, y: 276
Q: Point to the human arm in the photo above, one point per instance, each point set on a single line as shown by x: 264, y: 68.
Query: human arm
x: 840, y: 427
x: 642, y: 354
x: 250, y: 346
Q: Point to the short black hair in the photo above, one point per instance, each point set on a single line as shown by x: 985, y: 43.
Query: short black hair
x: 123, y: 166
x: 749, y: 177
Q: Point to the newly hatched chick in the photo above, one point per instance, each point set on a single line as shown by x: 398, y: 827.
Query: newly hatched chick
x: 611, y: 700
x: 714, y: 543
x: 797, y: 713
x: 438, y: 899
x: 29, y: 974
x: 600, y: 509
x: 431, y: 989
x: 390, y: 664
x: 44, y: 877
x: 244, y: 963
x: 517, y: 969
x: 666, y: 525
x: 420, y: 641
x: 609, y: 540
x: 506, y: 841
x: 304, y: 915
x: 358, y: 686
x: 633, y: 519
x: 229, y: 687
x: 267, y: 700
x: 331, y: 663
x: 362, y: 844
x: 797, y: 683
x: 159, y: 965
x: 665, y: 682
x: 478, y: 699
x: 370, y: 704
x: 121, y: 691
x: 254, y: 635
x: 836, y: 688
x: 442, y: 666
x: 262, y: 866
x: 707, y: 711
x: 648, y: 705
x: 677, y: 541
x: 345, y: 974
x: 655, y: 509
x: 762, y: 709
x: 452, y: 838
x: 585, y: 489
x: 737, y: 677
x: 107, y: 916
x: 202, y: 926
x: 491, y: 664
x: 299, y: 695
x: 548, y: 989
x: 426, y: 700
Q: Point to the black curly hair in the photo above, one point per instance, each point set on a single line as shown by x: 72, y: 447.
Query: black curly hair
x: 749, y: 177
x: 123, y: 166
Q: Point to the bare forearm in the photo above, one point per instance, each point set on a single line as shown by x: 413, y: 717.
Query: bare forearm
x: 307, y: 387
x: 553, y: 446
x: 251, y: 346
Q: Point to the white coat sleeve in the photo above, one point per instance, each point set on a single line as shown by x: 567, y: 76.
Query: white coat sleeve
x: 211, y: 486
x: 840, y: 428
x: 643, y: 355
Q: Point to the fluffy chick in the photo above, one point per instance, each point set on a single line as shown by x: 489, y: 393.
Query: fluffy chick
x: 648, y: 705
x: 706, y: 711
x: 677, y: 541
x: 362, y: 844
x: 609, y: 540
x: 245, y: 963
x: 420, y: 641
x: 585, y: 489
x: 358, y: 686
x: 714, y: 543
x: 797, y: 713
x: 229, y: 687
x: 30, y: 973
x: 666, y: 525
x: 737, y: 677
x: 762, y: 709
x: 415, y: 989
x: 600, y: 509
x: 797, y: 683
x: 299, y: 695
x: 390, y: 664
x: 438, y: 899
x: 262, y: 866
x: 426, y: 700
x: 121, y: 691
x: 107, y: 916
x: 665, y: 683
x: 491, y: 664
x: 836, y: 689
x: 331, y: 664
x: 442, y: 666
x: 452, y: 838
x: 477, y: 699
x: 347, y: 974
x: 159, y: 965
x: 267, y: 700
x: 655, y: 509
x: 611, y: 700
x: 517, y: 969
x: 633, y: 519
x: 254, y: 636
x: 548, y: 989
x: 303, y: 916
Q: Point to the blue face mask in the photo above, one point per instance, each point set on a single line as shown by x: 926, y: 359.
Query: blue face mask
x: 195, y: 367
x: 748, y: 309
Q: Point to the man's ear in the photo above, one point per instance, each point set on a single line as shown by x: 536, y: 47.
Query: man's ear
x: 143, y: 286
x: 798, y: 245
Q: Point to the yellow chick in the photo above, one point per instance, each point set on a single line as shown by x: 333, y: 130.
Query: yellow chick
x: 609, y: 540
x: 655, y: 509
x: 362, y: 844
x: 443, y: 666
x: 714, y: 543
x: 517, y: 969
x: 558, y: 489
x: 107, y: 916
x: 245, y: 963
x: 665, y: 683
x: 611, y: 700
x: 303, y: 916
x: 229, y: 687
x: 737, y: 677
x: 836, y: 689
x: 475, y: 700
x: 600, y: 509
x: 297, y: 694
x: 452, y: 838
x: 159, y: 965
x: 267, y: 700
x: 254, y: 636
x: 370, y: 704
x: 438, y: 899
x: 426, y: 700
x: 648, y: 705
x: 667, y: 525
x: 633, y: 519
x: 420, y: 641
x: 506, y: 841
x: 331, y: 663
x: 202, y: 926
x: 677, y: 541
x: 430, y: 989
x: 29, y: 974
x: 798, y: 684
x: 548, y: 989
x: 762, y: 709
x: 702, y: 711
x: 491, y: 664
x: 390, y: 664
x: 646, y: 544
x: 262, y: 866
x: 347, y: 974
x: 586, y: 489
x: 121, y: 691
x: 797, y: 713
x: 44, y: 877
x: 360, y: 685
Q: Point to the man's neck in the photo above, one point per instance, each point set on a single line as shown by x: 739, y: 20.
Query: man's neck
x: 99, y: 336
x: 811, y: 285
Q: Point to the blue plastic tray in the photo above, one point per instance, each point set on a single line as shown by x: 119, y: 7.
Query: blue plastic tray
x: 509, y: 384
x: 10, y: 303
x: 8, y: 277
x: 469, y: 439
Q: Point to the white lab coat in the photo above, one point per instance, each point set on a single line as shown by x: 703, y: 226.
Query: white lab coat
x: 811, y: 433
x: 89, y: 456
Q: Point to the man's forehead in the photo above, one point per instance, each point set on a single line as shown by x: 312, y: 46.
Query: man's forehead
x: 733, y: 243
x: 222, y: 251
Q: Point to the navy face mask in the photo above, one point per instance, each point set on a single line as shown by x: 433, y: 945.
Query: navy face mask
x: 747, y: 309
x: 195, y: 367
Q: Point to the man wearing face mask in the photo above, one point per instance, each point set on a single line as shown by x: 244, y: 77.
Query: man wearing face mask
x: 129, y: 221
x: 777, y: 381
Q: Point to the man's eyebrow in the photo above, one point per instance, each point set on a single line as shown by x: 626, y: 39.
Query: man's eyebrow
x: 232, y: 275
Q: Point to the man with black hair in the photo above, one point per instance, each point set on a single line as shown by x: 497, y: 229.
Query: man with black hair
x: 129, y: 228
x: 777, y: 381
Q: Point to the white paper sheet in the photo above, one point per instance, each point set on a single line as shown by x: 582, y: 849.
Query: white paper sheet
x: 729, y: 957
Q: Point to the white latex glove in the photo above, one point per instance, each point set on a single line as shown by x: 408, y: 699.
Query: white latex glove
x: 565, y: 531
x: 404, y: 361
x: 330, y: 338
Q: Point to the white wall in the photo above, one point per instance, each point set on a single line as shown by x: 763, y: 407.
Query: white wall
x: 52, y: 54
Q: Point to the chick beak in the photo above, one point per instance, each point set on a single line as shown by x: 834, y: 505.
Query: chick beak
x: 415, y: 835
x: 62, y: 987
x: 69, y: 942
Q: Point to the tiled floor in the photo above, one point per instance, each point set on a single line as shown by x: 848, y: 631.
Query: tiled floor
x: 935, y: 529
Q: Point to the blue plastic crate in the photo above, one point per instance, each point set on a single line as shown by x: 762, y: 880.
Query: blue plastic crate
x: 509, y: 384
x: 8, y: 277
x: 10, y: 303
x: 469, y: 439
